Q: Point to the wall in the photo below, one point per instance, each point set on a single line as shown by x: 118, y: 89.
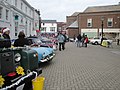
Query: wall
x: 96, y: 21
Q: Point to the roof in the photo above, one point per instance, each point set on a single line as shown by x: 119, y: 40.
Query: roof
x: 75, y: 14
x: 103, y: 8
x: 74, y: 25
x: 49, y: 21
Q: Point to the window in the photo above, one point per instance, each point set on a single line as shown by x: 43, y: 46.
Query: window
x: 36, y: 24
x: 7, y: 13
x: 16, y: 17
x: 21, y: 19
x: 15, y: 2
x: 30, y: 12
x: 0, y: 12
x: 43, y: 24
x: 30, y: 26
x: 26, y: 9
x: 52, y: 28
x: 89, y: 22
x: 21, y: 6
x: 26, y: 22
x: 59, y: 28
x: 43, y: 29
x: 110, y: 22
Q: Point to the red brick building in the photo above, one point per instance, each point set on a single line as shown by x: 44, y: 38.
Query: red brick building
x: 90, y: 22
x: 72, y: 25
x: 61, y: 27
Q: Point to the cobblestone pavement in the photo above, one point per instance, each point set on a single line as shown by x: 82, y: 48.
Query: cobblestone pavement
x: 91, y: 68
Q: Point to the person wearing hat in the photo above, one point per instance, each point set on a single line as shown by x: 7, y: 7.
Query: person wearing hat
x: 6, y: 38
x: 6, y: 32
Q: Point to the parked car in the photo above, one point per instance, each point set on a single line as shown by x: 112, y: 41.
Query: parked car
x: 97, y: 40
x: 44, y: 54
x: 34, y: 41
x: 71, y: 40
x: 48, y: 43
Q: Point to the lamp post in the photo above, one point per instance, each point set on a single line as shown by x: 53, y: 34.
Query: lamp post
x: 119, y: 30
x: 102, y: 19
x: 118, y: 22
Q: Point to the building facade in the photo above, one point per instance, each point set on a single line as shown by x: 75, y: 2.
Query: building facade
x: 19, y: 15
x: 72, y: 25
x: 90, y: 21
x: 5, y: 20
x: 61, y: 27
x: 48, y: 27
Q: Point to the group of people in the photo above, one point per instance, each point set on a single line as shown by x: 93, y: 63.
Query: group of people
x: 21, y: 41
x: 82, y: 40
x: 5, y: 41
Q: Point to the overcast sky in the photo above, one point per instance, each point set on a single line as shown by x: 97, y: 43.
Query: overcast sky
x: 59, y: 9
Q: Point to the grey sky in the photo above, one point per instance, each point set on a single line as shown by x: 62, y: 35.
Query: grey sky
x: 59, y: 9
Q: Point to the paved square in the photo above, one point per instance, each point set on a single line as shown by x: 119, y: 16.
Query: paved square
x: 91, y: 68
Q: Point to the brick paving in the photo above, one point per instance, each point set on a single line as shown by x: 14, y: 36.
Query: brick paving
x: 92, y: 68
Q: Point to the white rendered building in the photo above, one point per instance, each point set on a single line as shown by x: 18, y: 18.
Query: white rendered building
x: 49, y: 27
x: 18, y: 15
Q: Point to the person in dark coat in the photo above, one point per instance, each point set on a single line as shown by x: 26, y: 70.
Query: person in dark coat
x: 21, y: 41
x: 79, y: 40
x: 6, y: 38
x: 82, y: 39
x: 65, y: 39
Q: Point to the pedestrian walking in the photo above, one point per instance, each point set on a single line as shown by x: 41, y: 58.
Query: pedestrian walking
x: 61, y: 41
x: 79, y: 40
x: 65, y: 38
x: 82, y: 39
x: 86, y: 41
x: 21, y: 41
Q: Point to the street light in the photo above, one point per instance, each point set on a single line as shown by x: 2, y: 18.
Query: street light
x: 102, y: 19
x: 118, y: 22
x: 119, y: 30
